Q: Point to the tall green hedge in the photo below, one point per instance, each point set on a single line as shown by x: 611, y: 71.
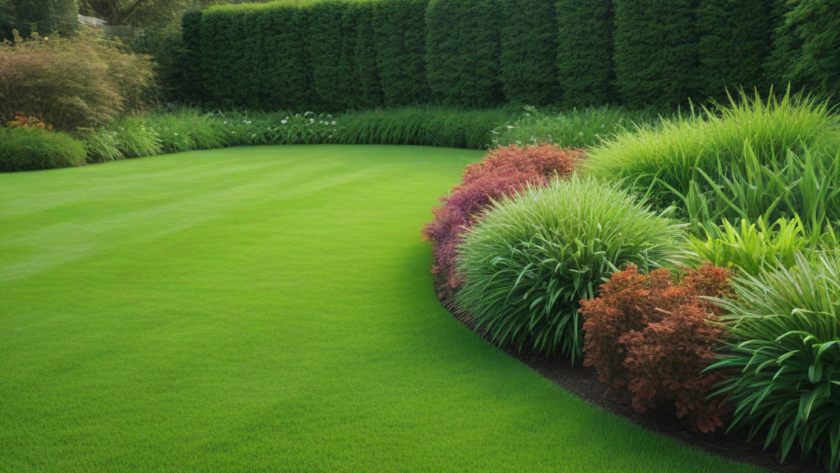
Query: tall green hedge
x: 786, y: 45
x: 735, y: 39
x: 815, y: 64
x: 656, y: 52
x: 586, y: 71
x: 528, y: 67
x: 286, y: 73
x: 193, y: 90
x: 400, y: 29
x: 462, y: 52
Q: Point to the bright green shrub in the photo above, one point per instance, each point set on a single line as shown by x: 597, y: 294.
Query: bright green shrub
x: 656, y: 52
x: 753, y: 247
x: 586, y: 70
x: 735, y: 39
x: 528, y: 56
x: 28, y: 149
x: 683, y: 158
x: 184, y: 129
x: 784, y: 362
x: 424, y: 126
x: 101, y: 146
x: 135, y: 139
x: 570, y: 129
x: 462, y: 52
x: 400, y: 35
x: 533, y: 257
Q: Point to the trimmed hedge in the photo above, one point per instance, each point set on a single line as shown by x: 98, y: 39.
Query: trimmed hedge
x: 656, y: 52
x: 463, y: 47
x: 585, y: 54
x: 528, y: 67
x: 337, y: 55
x: 735, y: 38
x: 400, y: 39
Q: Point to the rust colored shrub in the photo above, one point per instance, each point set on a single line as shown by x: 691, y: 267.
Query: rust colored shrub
x: 546, y: 160
x: 650, y: 334
x: 503, y: 172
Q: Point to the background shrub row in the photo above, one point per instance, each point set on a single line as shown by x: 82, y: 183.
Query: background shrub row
x: 334, y: 55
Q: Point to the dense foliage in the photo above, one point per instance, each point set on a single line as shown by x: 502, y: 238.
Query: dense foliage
x: 70, y: 83
x: 503, y: 172
x: 400, y: 46
x: 586, y: 70
x: 784, y: 362
x: 751, y: 159
x: 534, y: 256
x: 656, y: 60
x: 28, y: 149
x: 651, y: 334
x: 528, y: 56
x: 42, y: 16
x: 462, y: 52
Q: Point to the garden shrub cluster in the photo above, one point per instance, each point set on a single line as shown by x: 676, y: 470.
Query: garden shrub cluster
x: 335, y: 55
x: 534, y: 256
x: 503, y: 172
x: 69, y: 83
x: 691, y: 260
x: 29, y: 149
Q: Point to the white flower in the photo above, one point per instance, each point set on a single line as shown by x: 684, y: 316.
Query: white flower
x: 284, y: 121
x: 329, y: 116
x: 311, y: 120
x: 510, y: 127
x: 333, y: 122
x: 225, y: 122
x: 176, y: 134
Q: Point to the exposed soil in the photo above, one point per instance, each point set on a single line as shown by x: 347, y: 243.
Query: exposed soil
x: 583, y: 383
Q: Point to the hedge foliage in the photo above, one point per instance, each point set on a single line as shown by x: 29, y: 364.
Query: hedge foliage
x: 529, y: 41
x: 656, y: 45
x: 735, y: 38
x: 43, y: 16
x: 463, y: 48
x: 586, y: 70
x: 336, y: 55
x: 400, y: 40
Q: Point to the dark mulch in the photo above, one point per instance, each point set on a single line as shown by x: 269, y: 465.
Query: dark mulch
x: 583, y: 383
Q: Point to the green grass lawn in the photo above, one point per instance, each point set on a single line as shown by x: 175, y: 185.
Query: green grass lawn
x: 266, y: 309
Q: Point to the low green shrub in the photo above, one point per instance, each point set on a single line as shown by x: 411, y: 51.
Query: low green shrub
x: 102, y: 146
x: 684, y: 159
x: 753, y: 247
x: 784, y: 362
x: 29, y: 149
x: 184, y: 129
x: 425, y: 126
x: 277, y: 128
x: 135, y: 139
x: 575, y: 128
x: 534, y: 256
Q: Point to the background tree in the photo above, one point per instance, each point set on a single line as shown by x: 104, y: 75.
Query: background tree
x: 44, y: 16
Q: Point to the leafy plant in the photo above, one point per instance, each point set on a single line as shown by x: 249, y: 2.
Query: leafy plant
x: 70, y: 83
x: 651, y: 334
x: 736, y: 150
x: 102, y: 146
x: 503, y: 172
x: 27, y: 149
x: 535, y: 255
x: 570, y: 128
x: 134, y: 139
x: 754, y: 247
x: 784, y: 362
x: 183, y: 129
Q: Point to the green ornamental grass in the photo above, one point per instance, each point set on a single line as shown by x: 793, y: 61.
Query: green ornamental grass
x: 535, y: 255
x: 29, y: 149
x: 785, y: 358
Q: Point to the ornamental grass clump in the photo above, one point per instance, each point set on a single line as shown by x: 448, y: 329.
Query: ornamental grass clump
x: 784, y: 361
x: 504, y: 171
x: 694, y: 153
x: 535, y: 255
x: 652, y: 335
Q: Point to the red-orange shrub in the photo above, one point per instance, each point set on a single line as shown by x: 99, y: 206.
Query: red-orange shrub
x: 650, y: 334
x: 504, y: 171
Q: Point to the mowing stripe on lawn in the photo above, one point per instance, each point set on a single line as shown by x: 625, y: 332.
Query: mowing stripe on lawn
x: 266, y: 309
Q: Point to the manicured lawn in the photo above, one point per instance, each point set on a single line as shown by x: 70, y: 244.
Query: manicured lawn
x: 266, y: 309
